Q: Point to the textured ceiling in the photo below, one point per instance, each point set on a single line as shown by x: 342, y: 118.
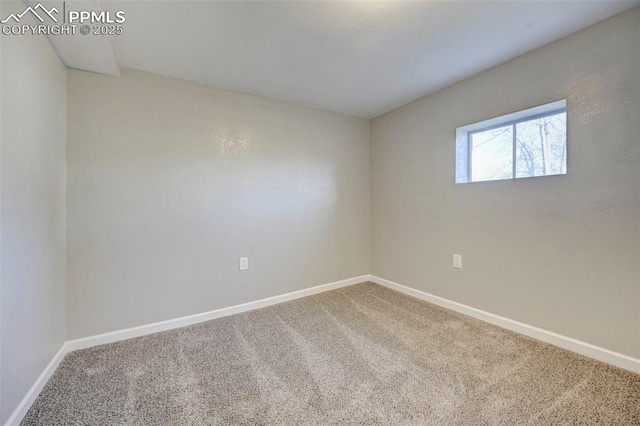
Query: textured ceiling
x: 359, y: 58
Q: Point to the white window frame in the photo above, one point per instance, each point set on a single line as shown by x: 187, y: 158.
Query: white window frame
x: 464, y: 154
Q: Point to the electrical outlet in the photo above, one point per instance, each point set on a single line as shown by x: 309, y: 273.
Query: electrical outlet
x: 457, y: 261
x: 244, y: 263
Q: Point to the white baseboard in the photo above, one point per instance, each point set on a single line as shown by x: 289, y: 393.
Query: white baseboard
x: 114, y: 336
x: 583, y: 348
x: 568, y: 343
x: 143, y: 330
x: 24, y: 405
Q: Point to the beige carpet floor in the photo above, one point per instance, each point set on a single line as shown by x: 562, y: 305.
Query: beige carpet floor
x: 361, y: 355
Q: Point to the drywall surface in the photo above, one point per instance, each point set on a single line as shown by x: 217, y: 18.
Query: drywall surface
x: 171, y: 182
x: 558, y: 252
x: 33, y: 265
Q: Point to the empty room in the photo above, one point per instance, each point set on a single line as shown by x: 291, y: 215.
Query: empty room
x: 410, y: 212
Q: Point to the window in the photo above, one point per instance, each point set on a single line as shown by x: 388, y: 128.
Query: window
x: 524, y: 144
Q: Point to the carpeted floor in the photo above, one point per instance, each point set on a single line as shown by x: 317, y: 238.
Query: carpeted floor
x: 360, y: 355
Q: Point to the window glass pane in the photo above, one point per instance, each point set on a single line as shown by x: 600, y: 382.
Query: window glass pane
x: 541, y: 146
x: 492, y: 154
x: 527, y: 143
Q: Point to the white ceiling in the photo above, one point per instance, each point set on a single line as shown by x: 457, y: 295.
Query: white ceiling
x: 87, y: 53
x: 359, y: 58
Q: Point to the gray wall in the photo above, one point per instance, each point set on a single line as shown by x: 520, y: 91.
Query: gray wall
x: 32, y: 224
x: 562, y: 252
x: 170, y: 182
